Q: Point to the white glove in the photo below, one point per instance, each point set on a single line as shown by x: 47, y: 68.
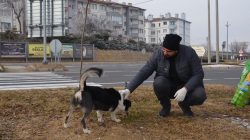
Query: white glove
x: 180, y: 94
x: 125, y: 92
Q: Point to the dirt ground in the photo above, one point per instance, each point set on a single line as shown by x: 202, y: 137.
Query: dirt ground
x: 39, y: 114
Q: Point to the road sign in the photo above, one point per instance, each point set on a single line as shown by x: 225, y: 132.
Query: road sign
x: 200, y: 50
x: 56, y: 46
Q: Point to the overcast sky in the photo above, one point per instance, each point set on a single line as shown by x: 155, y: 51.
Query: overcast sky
x: 236, y: 12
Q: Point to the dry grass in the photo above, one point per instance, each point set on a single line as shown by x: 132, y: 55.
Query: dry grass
x: 120, y: 56
x: 39, y: 114
x: 2, y: 69
x: 46, y: 67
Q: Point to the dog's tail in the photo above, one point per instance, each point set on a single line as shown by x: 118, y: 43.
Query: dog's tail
x: 89, y: 72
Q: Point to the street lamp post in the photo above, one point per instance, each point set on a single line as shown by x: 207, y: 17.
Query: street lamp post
x: 209, y: 37
x: 217, y: 32
x: 227, y: 25
x: 44, y: 32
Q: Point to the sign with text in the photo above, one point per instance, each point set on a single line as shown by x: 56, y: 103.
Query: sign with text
x: 87, y: 53
x: 200, y: 50
x: 12, y: 49
x: 67, y: 51
x: 37, y: 50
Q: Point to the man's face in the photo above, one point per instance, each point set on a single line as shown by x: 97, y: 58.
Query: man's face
x: 168, y: 53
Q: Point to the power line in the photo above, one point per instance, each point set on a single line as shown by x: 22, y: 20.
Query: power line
x: 143, y: 2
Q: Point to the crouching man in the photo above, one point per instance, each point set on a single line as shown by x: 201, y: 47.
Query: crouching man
x: 179, y: 75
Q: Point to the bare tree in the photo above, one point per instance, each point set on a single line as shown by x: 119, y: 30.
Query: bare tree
x: 18, y: 7
x: 94, y: 24
x: 237, y: 46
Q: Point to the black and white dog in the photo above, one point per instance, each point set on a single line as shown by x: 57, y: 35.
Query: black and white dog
x: 95, y: 98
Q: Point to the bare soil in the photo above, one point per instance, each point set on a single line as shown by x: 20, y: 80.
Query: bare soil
x: 39, y: 114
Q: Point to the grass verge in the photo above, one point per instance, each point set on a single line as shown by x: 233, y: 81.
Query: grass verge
x: 39, y: 114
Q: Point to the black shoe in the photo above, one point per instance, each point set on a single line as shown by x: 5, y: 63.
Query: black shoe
x: 186, y: 110
x: 164, y: 112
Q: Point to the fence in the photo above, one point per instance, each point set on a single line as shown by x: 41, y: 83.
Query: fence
x: 23, y: 51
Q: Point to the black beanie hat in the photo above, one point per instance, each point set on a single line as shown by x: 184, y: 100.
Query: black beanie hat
x: 172, y: 41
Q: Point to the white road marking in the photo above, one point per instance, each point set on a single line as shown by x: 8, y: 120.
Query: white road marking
x: 232, y: 78
x: 208, y: 79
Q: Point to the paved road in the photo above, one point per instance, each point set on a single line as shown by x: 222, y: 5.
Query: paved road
x: 115, y: 74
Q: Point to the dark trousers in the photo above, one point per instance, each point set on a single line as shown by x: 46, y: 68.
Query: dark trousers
x: 165, y: 89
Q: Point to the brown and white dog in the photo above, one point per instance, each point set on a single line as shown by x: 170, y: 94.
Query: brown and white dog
x: 96, y: 98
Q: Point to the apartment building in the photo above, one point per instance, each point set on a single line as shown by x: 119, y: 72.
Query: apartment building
x: 6, y: 16
x: 157, y: 28
x: 55, y: 18
x: 66, y: 17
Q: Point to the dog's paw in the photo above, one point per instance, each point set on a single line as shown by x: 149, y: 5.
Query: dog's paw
x: 65, y: 125
x: 116, y: 120
x: 86, y: 131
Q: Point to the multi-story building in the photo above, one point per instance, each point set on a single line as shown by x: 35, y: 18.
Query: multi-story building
x: 6, y: 16
x: 157, y: 28
x: 55, y: 18
x: 66, y: 17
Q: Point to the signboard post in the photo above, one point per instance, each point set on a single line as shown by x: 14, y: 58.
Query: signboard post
x: 56, y: 47
x: 200, y: 51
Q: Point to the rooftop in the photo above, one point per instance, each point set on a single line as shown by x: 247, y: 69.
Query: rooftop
x: 109, y: 2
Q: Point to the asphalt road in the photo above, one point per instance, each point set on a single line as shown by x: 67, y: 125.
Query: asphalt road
x: 116, y: 74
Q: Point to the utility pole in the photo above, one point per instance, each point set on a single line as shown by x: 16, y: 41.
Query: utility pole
x: 209, y: 36
x: 44, y: 32
x: 217, y: 32
x: 227, y: 25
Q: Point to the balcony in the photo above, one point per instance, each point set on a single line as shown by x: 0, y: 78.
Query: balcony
x: 172, y: 26
x: 134, y: 16
x: 134, y: 34
x: 134, y: 25
x: 117, y: 24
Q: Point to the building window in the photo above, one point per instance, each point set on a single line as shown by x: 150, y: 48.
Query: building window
x: 141, y: 31
x: 171, y: 30
x: 165, y: 30
x: 152, y: 39
x: 141, y: 13
x: 153, y: 25
x: 165, y: 23
x: 159, y: 24
x: 116, y: 19
x: 152, y: 32
x: 172, y: 23
x: 102, y: 7
x: 93, y: 6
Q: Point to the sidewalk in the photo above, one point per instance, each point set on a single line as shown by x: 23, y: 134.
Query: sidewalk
x: 222, y: 66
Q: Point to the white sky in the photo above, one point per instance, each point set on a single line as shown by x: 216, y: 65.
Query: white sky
x: 236, y: 12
